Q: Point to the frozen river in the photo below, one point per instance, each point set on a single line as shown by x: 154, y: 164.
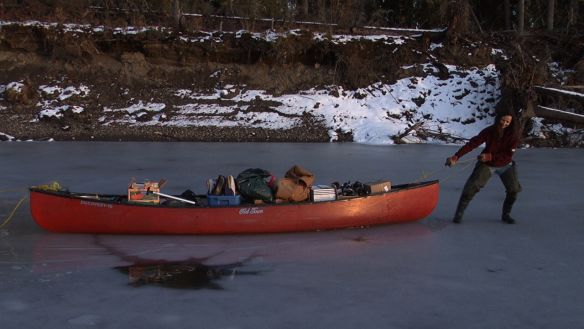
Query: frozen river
x: 428, y: 274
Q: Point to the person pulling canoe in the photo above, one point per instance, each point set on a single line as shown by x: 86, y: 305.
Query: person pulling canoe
x: 501, y: 139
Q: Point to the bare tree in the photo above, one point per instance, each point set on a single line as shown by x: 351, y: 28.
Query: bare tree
x: 521, y: 16
x: 507, y: 9
x: 550, y: 14
x: 305, y: 8
x: 572, y: 13
x: 176, y: 14
x: 459, y: 16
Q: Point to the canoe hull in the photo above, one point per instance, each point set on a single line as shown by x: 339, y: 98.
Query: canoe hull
x: 64, y: 213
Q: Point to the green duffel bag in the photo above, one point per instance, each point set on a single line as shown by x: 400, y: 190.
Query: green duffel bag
x: 252, y: 184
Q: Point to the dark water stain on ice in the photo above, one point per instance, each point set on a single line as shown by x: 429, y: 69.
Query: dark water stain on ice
x: 188, y: 274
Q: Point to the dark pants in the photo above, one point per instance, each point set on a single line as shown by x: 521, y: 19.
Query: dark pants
x: 479, y: 178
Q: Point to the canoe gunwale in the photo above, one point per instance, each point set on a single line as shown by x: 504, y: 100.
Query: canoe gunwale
x: 122, y: 200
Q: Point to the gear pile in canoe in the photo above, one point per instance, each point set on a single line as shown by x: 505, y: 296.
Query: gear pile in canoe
x: 254, y: 202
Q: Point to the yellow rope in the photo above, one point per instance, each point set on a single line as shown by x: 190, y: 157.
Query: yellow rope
x: 7, y: 220
x: 52, y: 186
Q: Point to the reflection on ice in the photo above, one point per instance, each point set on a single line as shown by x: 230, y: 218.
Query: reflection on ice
x: 189, y: 274
x: 65, y: 252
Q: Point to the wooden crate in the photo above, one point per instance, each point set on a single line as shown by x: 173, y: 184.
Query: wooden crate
x: 143, y: 192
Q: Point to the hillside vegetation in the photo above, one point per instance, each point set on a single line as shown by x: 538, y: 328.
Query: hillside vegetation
x: 123, y: 63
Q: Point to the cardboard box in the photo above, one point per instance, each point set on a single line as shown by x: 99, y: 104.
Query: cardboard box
x: 143, y: 192
x: 378, y: 187
x: 223, y: 200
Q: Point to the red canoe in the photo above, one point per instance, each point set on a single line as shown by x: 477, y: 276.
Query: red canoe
x: 66, y: 212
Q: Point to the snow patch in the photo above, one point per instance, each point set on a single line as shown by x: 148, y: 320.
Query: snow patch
x: 543, y: 131
x: 6, y: 137
x: 434, y: 46
x: 59, y: 111
x: 16, y: 86
x: 62, y: 93
x: 134, y: 114
x: 498, y: 52
x: 148, y: 107
x: 559, y: 73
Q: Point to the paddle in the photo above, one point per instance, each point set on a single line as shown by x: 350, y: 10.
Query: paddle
x: 174, y: 197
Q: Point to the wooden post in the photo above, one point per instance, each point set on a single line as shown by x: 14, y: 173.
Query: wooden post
x: 552, y: 113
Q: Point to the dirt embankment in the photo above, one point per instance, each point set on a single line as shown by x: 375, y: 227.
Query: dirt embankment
x: 152, y: 65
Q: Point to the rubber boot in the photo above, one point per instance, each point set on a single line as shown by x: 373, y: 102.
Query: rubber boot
x: 462, y: 204
x: 507, y: 206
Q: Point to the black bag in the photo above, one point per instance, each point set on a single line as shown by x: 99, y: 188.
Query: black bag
x: 252, y: 184
x: 188, y: 195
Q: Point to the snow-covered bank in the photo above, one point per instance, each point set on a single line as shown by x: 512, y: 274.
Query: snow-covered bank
x: 459, y: 106
x: 444, y: 103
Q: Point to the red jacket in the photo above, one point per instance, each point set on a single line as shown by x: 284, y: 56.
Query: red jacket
x: 501, y: 150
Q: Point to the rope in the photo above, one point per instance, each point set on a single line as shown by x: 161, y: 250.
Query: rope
x: 425, y: 175
x: 466, y: 163
x: 7, y: 220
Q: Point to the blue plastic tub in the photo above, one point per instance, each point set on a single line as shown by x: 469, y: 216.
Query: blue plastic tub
x: 223, y: 200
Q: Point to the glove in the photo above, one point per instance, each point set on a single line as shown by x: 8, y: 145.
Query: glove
x: 451, y: 161
x: 485, y: 157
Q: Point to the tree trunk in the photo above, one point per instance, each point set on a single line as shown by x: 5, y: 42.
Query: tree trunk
x: 507, y: 8
x: 521, y: 16
x: 572, y: 13
x: 321, y: 10
x: 305, y: 9
x: 106, y: 10
x: 459, y: 16
x: 176, y: 13
x: 550, y: 15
